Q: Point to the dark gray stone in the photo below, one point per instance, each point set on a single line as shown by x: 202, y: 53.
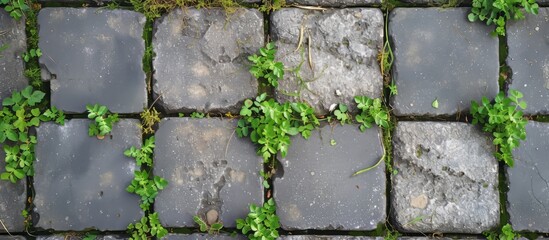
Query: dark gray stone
x: 344, y: 48
x: 202, y: 236
x: 12, y: 200
x: 440, y: 55
x: 447, y: 178
x: 528, y: 196
x: 207, y: 167
x: 317, y: 191
x: 7, y: 237
x: 72, y: 237
x: 443, y: 3
x: 336, y: 3
x: 326, y: 237
x: 201, y: 58
x: 14, y: 40
x: 528, y: 42
x: 93, y: 55
x: 81, y: 181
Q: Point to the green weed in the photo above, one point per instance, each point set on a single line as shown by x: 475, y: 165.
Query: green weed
x: 264, y: 65
x: 16, y: 8
x: 261, y: 223
x: 342, y: 114
x: 153, y: 9
x: 103, y: 120
x: 204, y: 227
x: 197, y: 115
x: 149, y: 117
x: 272, y: 5
x: 506, y: 233
x: 32, y: 53
x: 499, y: 11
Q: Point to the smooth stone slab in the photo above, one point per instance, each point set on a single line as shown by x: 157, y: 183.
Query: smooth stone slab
x: 440, y: 55
x: 12, y: 200
x: 93, y: 55
x: 344, y: 47
x: 208, y: 168
x: 528, y: 42
x: 201, y: 59
x: 528, y: 196
x: 447, y: 178
x: 81, y: 181
x: 336, y: 3
x: 70, y: 237
x: 326, y: 237
x: 317, y: 191
x: 14, y: 42
x: 202, y: 236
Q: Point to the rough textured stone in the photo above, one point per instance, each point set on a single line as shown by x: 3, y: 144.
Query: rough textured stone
x: 12, y: 201
x: 201, y: 58
x: 199, y: 236
x: 93, y: 55
x: 335, y: 3
x: 344, y: 46
x: 528, y: 196
x: 443, y: 3
x: 14, y: 42
x: 12, y: 237
x: 528, y: 42
x: 208, y: 167
x: 440, y: 55
x: 81, y: 181
x: 450, y: 164
x: 326, y: 237
x: 72, y: 237
x: 316, y: 190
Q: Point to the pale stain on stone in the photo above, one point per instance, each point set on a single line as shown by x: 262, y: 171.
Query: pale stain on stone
x: 419, y: 201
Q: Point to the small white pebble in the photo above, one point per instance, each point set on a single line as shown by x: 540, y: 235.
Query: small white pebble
x: 537, y: 29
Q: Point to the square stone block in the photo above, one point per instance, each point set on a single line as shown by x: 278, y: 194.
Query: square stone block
x: 447, y: 178
x: 72, y: 237
x: 528, y: 196
x: 316, y: 190
x: 202, y: 236
x: 208, y: 169
x: 93, y: 55
x: 81, y: 181
x: 201, y: 61
x: 336, y: 3
x: 13, y: 43
x: 440, y: 55
x: 528, y: 58
x: 13, y: 198
x: 344, y: 45
x: 326, y: 237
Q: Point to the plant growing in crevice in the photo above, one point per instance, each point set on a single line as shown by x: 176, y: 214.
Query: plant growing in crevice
x: 506, y: 233
x: 265, y: 67
x: 16, y: 8
x: 261, y: 222
x: 153, y: 9
x: 214, y: 228
x: 149, y: 117
x: 102, y: 122
x: 32, y: 53
x: 497, y: 12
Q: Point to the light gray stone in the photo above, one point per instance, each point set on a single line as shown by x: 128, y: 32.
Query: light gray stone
x: 440, y: 55
x: 528, y: 196
x: 81, y: 181
x: 13, y: 41
x: 91, y: 56
x: 13, y: 197
x: 207, y: 167
x: 528, y: 58
x: 316, y: 190
x: 202, y: 236
x: 336, y: 3
x: 201, y: 58
x: 447, y: 178
x: 73, y: 237
x: 344, y: 46
x: 326, y: 237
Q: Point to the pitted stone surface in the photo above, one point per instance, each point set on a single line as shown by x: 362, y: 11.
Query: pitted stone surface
x: 207, y: 167
x: 13, y: 43
x: 317, y: 191
x: 528, y: 196
x: 326, y: 237
x: 201, y: 58
x: 440, y: 55
x: 344, y: 45
x: 12, y: 201
x: 335, y: 3
x: 201, y: 236
x: 81, y: 181
x: 69, y: 237
x: 93, y: 55
x: 447, y: 178
x: 528, y: 58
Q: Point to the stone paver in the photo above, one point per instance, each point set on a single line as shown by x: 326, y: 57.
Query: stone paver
x: 12, y: 200
x: 326, y: 237
x: 317, y: 191
x: 344, y: 45
x: 208, y: 169
x: 440, y: 55
x: 68, y: 237
x: 447, y: 178
x: 528, y: 42
x: 199, y: 236
x: 93, y: 55
x: 528, y: 196
x: 335, y: 3
x: 13, y: 44
x: 8, y: 237
x: 201, y: 59
x: 81, y: 181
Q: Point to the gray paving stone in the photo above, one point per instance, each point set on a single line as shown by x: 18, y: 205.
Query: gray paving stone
x: 326, y: 237
x: 335, y: 3
x: 528, y: 42
x: 71, y: 237
x: 431, y: 3
x: 344, y: 47
x: 447, y: 178
x: 201, y: 59
x: 93, y: 55
x: 7, y: 237
x: 528, y: 196
x: 81, y: 181
x: 200, y: 236
x: 208, y: 169
x: 317, y: 191
x: 14, y: 43
x: 440, y: 55
x: 12, y: 200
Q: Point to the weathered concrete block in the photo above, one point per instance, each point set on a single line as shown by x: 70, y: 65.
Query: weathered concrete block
x: 447, y: 178
x: 317, y: 191
x: 13, y: 43
x: 93, y: 56
x: 12, y: 201
x: 344, y: 44
x: 440, y: 55
x: 336, y: 3
x: 81, y: 181
x: 201, y: 236
x: 201, y: 58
